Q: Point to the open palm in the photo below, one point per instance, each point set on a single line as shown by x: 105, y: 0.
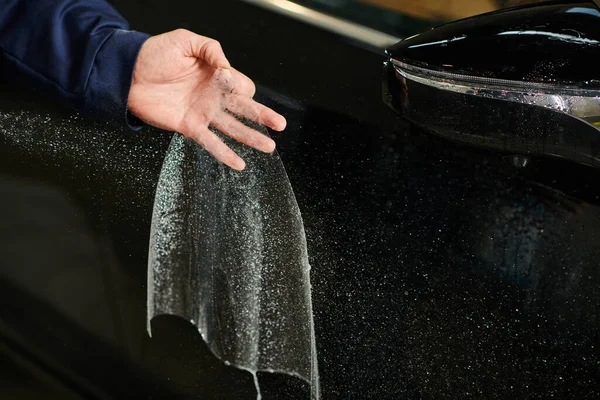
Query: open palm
x: 183, y: 82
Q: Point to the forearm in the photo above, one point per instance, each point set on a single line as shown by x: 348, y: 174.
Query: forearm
x: 78, y: 50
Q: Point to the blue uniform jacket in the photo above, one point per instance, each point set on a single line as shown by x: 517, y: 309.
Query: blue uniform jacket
x: 81, y: 51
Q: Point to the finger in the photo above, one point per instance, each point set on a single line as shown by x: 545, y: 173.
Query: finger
x: 230, y: 126
x: 207, y: 139
x: 246, y: 107
x: 244, y: 85
x: 210, y: 51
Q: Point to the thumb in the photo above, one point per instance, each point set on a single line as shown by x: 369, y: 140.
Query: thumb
x: 210, y: 51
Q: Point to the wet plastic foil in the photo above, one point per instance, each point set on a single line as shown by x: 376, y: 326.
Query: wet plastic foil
x: 228, y: 253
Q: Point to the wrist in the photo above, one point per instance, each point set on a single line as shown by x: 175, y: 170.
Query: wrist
x: 111, y: 78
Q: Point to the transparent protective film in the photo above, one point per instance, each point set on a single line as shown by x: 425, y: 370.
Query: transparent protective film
x: 228, y: 253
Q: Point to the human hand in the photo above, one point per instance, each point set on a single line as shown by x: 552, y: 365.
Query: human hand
x: 183, y: 82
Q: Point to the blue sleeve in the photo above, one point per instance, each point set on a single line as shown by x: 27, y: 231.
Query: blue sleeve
x: 81, y: 51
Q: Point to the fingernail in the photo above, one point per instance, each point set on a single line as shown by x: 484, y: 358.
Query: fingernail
x: 269, y: 146
x: 281, y: 123
x: 239, y: 165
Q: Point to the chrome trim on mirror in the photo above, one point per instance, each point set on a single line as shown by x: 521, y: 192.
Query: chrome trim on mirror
x: 339, y: 26
x: 577, y: 102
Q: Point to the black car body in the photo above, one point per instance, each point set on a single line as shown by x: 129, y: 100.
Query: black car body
x: 438, y: 271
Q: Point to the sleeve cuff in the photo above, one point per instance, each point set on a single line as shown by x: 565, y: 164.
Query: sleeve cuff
x: 109, y: 82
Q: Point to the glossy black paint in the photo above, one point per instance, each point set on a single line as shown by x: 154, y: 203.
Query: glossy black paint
x: 521, y: 49
x: 438, y: 271
x: 545, y: 43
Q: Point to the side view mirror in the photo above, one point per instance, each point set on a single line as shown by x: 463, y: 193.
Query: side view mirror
x: 524, y: 81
